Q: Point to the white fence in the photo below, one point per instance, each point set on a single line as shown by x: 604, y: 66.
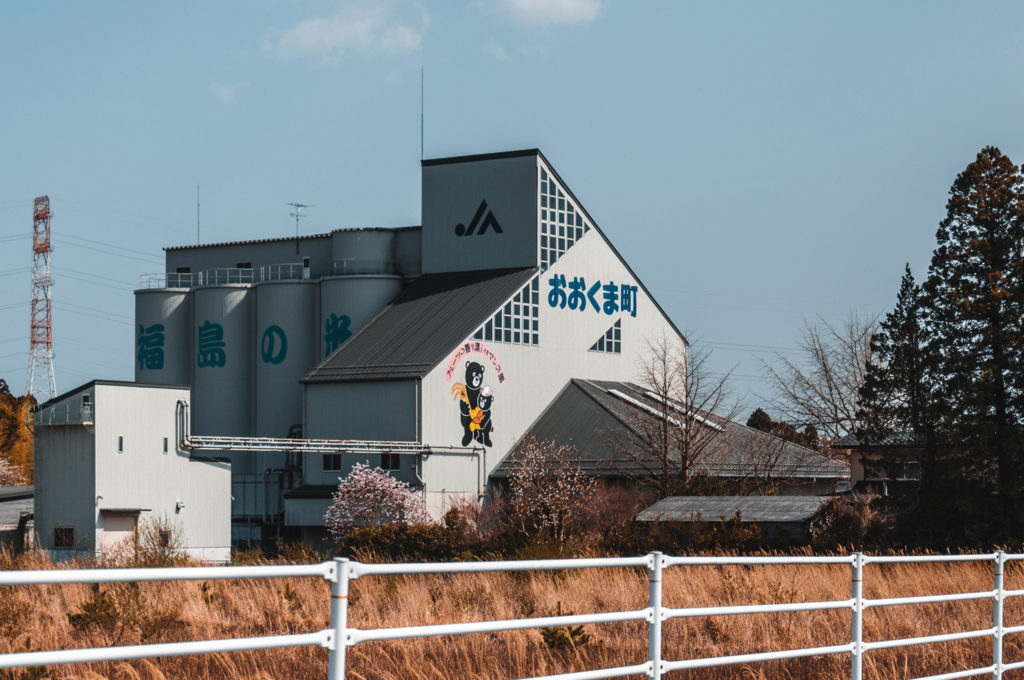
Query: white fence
x: 338, y: 636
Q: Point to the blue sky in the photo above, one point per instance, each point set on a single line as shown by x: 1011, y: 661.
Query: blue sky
x: 757, y: 164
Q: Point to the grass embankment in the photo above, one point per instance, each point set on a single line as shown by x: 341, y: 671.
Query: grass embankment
x: 56, y: 617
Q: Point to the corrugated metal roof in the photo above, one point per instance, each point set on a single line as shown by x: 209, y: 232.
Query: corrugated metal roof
x: 604, y: 430
x: 421, y: 326
x: 12, y: 510
x: 751, y: 508
x: 277, y: 239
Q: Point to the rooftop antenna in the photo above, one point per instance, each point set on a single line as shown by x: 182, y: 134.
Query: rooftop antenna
x: 298, y: 215
x: 197, y: 214
x: 421, y: 113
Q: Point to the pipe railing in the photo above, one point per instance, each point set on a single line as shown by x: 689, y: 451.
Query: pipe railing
x: 339, y: 635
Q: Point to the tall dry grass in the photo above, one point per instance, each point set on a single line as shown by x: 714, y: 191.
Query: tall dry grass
x: 56, y: 617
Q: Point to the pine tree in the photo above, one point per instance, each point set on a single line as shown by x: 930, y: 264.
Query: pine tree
x: 975, y: 293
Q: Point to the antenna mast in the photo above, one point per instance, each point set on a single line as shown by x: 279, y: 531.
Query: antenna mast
x: 297, y: 215
x: 40, y: 366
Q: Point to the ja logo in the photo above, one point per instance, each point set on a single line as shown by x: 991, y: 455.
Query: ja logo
x: 274, y: 347
x: 489, y: 221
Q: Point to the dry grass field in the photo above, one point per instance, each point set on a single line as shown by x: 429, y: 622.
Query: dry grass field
x: 55, y: 617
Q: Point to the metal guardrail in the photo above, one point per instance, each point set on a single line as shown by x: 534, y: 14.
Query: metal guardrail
x: 339, y: 636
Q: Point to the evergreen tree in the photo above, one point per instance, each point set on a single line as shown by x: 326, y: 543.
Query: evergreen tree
x: 894, y: 398
x: 897, y: 400
x: 975, y: 293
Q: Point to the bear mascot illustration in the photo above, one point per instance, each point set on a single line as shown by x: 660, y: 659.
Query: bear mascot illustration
x: 482, y: 419
x: 468, y: 394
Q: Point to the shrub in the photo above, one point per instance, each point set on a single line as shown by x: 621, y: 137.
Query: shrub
x: 857, y: 520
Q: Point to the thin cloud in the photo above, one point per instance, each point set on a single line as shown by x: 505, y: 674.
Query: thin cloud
x: 227, y: 93
x: 495, y: 50
x: 552, y: 12
x: 366, y: 32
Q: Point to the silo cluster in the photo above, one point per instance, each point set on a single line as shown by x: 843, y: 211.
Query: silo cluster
x: 244, y: 344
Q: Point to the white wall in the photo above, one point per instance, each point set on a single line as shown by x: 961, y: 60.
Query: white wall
x: 144, y: 476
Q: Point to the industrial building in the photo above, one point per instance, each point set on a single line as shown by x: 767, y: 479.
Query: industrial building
x: 426, y: 350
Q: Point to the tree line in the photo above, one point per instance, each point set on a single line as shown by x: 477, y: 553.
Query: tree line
x: 941, y: 376
x: 16, y: 443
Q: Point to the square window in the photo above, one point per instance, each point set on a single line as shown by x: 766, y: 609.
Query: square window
x: 517, y: 310
x: 516, y: 336
x: 63, y: 537
x: 536, y: 325
x: 543, y: 241
x: 561, y: 219
x: 536, y: 339
x: 561, y: 204
x: 561, y: 245
x: 543, y: 174
x: 515, y: 324
x: 331, y: 462
x: 543, y: 201
x: 390, y: 461
x: 508, y: 336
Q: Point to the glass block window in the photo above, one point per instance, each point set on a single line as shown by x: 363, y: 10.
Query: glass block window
x: 517, y: 322
x: 561, y: 221
x: 611, y: 341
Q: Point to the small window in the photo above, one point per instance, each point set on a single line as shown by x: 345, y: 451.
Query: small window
x: 243, y: 265
x: 86, y: 399
x: 332, y: 462
x: 183, y: 270
x: 165, y: 444
x: 164, y: 538
x: 120, y: 443
x: 63, y: 537
x: 305, y: 263
x: 390, y: 461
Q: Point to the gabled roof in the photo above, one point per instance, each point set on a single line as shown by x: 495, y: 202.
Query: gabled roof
x: 751, y: 508
x: 600, y: 419
x: 421, y: 326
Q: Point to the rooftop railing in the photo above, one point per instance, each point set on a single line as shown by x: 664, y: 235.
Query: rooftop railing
x: 64, y: 413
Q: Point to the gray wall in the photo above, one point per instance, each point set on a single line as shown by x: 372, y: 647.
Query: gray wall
x: 382, y: 411
x: 452, y: 194
x: 65, y: 481
x: 278, y: 251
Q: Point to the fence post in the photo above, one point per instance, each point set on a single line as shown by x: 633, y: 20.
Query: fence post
x: 339, y: 619
x: 997, y: 617
x: 654, y: 626
x: 857, y: 620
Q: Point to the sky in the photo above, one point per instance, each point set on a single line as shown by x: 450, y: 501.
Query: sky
x: 761, y: 166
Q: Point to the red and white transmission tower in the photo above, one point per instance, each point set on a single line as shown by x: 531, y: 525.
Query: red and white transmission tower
x: 40, y: 362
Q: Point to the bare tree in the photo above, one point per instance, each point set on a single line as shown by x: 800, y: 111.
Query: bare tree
x: 548, y: 493
x: 685, y: 410
x: 822, y: 388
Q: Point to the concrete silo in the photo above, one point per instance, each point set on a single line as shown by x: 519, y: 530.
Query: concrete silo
x: 223, y: 360
x: 163, y: 336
